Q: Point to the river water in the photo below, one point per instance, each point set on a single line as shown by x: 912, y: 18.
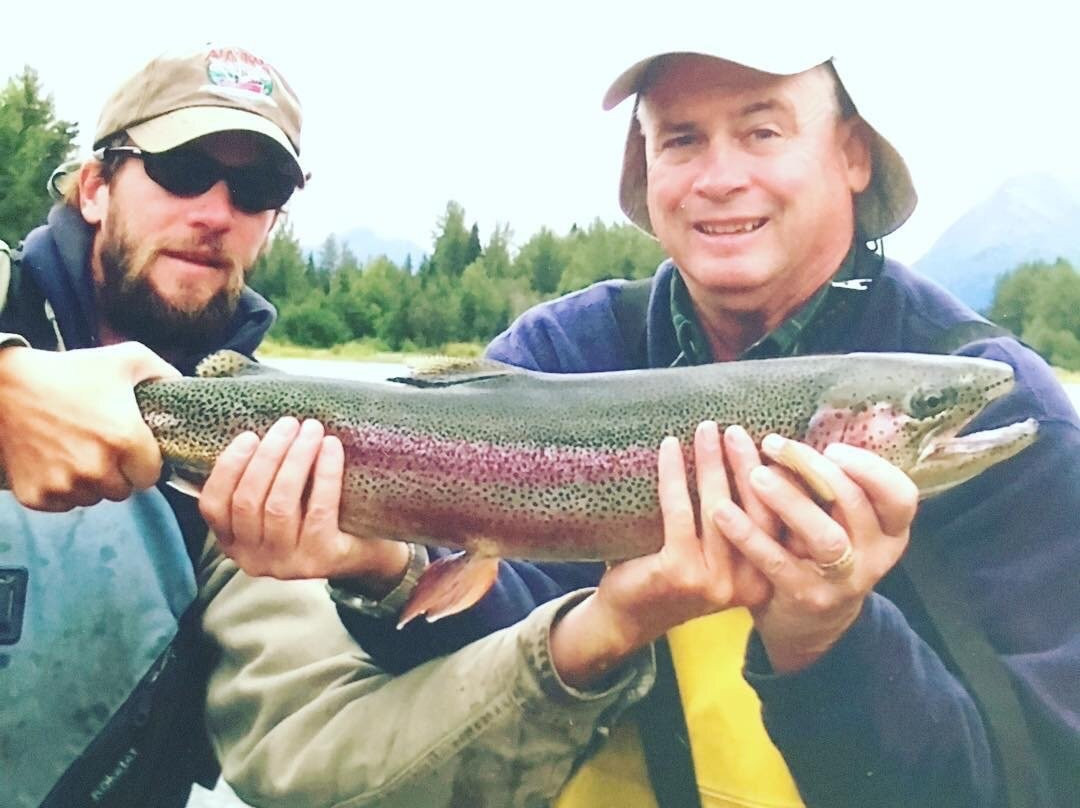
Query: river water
x: 369, y: 371
x: 222, y: 797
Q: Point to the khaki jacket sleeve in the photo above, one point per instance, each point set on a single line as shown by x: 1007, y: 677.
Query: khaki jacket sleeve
x: 301, y: 717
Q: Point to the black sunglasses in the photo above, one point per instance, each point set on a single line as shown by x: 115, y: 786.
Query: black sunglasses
x: 190, y: 172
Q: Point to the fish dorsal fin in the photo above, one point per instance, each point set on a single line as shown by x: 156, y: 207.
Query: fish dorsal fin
x: 443, y: 371
x: 228, y: 364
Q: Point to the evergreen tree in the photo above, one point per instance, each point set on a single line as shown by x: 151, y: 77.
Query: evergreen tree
x: 485, y: 309
x: 434, y: 313
x: 608, y: 251
x: 451, y: 243
x: 280, y: 273
x: 32, y: 143
x: 347, y: 260
x: 311, y: 274
x: 472, y: 248
x: 313, y: 323
x: 496, y: 257
x: 1041, y: 303
x: 385, y: 293
x: 542, y: 260
x: 329, y: 256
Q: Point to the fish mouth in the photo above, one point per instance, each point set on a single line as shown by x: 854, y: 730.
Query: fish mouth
x: 947, y: 460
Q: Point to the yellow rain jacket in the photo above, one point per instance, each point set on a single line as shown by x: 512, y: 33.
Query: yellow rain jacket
x: 737, y: 765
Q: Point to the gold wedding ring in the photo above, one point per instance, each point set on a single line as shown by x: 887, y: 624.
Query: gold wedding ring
x: 841, y: 567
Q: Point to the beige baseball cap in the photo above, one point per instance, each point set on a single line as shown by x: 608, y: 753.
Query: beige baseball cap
x: 885, y: 204
x: 177, y: 98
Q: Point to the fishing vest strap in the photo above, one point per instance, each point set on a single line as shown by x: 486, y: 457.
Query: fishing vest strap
x: 665, y: 739
x: 969, y: 654
x: 630, y: 308
x: 965, y: 644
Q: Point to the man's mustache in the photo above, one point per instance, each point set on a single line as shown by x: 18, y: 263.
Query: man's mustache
x: 207, y: 251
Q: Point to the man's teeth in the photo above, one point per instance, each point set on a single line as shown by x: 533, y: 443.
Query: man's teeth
x: 727, y: 229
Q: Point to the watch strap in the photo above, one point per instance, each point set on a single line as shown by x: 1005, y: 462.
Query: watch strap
x: 347, y: 592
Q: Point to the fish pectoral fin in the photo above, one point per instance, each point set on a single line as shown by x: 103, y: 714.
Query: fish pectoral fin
x: 230, y: 364
x: 443, y: 371
x: 184, y: 486
x: 450, y: 585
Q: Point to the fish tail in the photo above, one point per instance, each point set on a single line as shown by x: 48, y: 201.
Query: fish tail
x: 450, y: 585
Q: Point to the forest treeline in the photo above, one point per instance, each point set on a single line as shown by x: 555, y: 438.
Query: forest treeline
x: 1040, y: 303
x: 465, y: 289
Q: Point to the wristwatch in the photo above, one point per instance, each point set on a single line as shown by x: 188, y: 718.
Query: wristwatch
x: 347, y: 591
x: 12, y: 340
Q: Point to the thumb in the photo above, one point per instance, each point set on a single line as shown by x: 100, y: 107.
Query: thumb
x: 142, y: 364
x: 141, y: 463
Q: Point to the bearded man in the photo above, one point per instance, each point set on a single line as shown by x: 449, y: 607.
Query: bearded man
x: 195, y: 155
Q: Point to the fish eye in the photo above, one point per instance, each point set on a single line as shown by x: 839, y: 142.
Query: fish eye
x: 928, y: 403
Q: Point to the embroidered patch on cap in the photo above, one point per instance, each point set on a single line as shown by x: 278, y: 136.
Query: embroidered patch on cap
x: 236, y: 69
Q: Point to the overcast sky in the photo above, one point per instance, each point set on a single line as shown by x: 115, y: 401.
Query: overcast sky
x: 497, y: 104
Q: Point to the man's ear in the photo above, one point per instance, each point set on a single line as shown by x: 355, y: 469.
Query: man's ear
x: 279, y: 220
x: 93, y: 193
x: 857, y: 153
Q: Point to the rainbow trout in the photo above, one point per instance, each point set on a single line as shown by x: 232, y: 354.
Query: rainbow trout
x: 501, y: 461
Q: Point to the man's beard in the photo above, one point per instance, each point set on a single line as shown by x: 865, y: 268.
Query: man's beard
x: 134, y: 309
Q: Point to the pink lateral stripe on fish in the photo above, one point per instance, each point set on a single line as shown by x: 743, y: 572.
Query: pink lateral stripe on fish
x: 479, y: 462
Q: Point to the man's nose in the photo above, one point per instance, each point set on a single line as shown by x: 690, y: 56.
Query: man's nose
x: 213, y: 208
x: 724, y: 170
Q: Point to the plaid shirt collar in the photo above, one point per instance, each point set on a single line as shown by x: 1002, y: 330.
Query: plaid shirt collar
x: 821, y: 315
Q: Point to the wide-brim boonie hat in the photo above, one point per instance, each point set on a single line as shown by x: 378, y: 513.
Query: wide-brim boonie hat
x: 886, y: 203
x: 177, y: 98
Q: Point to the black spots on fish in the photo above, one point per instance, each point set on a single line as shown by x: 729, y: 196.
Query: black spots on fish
x: 785, y: 412
x: 194, y: 419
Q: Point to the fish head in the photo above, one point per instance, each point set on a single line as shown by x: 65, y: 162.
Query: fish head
x: 910, y: 409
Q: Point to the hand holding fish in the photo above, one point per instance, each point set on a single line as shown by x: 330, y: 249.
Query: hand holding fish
x: 258, y: 502
x: 71, y: 432
x: 813, y: 600
x: 692, y: 575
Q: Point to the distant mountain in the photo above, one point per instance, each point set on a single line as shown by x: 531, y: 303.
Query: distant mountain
x: 366, y: 245
x: 1030, y: 218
